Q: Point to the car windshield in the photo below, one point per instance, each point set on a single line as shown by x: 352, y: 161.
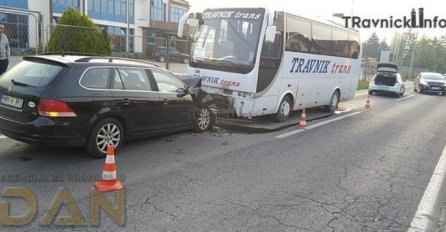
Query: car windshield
x: 228, y: 40
x: 30, y: 73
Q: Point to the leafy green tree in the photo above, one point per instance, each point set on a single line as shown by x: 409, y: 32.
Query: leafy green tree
x: 371, y: 47
x: 425, y: 54
x: 77, y: 33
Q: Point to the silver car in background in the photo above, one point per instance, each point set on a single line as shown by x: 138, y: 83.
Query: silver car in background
x: 387, y: 80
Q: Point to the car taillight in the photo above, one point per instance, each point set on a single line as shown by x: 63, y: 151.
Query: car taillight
x: 54, y: 108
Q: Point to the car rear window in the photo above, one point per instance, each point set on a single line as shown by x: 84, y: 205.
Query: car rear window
x: 31, y: 73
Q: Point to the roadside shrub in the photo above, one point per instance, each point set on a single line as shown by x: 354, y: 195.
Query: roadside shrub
x: 77, y: 33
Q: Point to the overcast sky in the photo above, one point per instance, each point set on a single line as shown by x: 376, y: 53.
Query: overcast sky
x: 366, y: 9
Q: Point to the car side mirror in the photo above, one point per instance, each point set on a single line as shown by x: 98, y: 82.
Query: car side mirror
x: 181, y: 92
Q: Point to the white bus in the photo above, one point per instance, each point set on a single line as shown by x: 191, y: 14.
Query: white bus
x: 256, y: 61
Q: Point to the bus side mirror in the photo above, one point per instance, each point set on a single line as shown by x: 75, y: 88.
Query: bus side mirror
x: 181, y: 23
x: 270, y: 34
x: 192, y: 19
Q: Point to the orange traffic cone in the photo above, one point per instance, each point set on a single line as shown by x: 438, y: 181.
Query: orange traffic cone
x: 367, y: 102
x: 303, y: 121
x: 109, y: 180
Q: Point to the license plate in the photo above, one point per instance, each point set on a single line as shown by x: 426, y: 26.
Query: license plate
x: 12, y: 101
x: 436, y: 88
x: 382, y: 88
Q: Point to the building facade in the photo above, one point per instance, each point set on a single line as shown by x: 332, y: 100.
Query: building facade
x: 28, y: 22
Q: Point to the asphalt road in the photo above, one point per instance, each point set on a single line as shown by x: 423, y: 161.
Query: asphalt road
x: 365, y: 172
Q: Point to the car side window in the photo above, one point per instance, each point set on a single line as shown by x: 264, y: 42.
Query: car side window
x: 166, y: 82
x: 134, y: 79
x: 95, y: 78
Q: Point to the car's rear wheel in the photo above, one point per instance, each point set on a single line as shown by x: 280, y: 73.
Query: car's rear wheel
x: 370, y: 92
x: 107, y: 131
x: 333, y: 102
x: 402, y: 90
x: 203, y: 119
x: 162, y: 59
x: 185, y: 60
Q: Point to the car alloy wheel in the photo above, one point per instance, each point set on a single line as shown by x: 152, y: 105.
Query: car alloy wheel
x: 108, y: 134
x: 162, y: 59
x: 203, y: 119
x: 105, y: 132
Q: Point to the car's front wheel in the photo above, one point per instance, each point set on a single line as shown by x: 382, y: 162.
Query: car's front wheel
x: 420, y: 89
x: 203, y: 119
x: 107, y: 131
x: 185, y: 60
x: 162, y: 59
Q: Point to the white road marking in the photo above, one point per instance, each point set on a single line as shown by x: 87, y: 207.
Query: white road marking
x: 423, y: 221
x: 3, y: 137
x: 404, y: 98
x: 345, y: 111
x: 316, y: 125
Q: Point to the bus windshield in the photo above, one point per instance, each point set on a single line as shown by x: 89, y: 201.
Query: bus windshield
x: 228, y: 40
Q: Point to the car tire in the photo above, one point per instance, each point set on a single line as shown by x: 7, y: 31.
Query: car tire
x: 420, y: 89
x: 283, y: 113
x: 414, y: 88
x: 162, y: 59
x: 105, y: 131
x: 203, y: 119
x: 334, y: 101
x: 371, y: 92
x: 443, y: 93
x: 185, y: 60
x: 402, y: 91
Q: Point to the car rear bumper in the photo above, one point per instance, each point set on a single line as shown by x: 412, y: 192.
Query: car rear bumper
x: 43, y: 131
x: 385, y: 89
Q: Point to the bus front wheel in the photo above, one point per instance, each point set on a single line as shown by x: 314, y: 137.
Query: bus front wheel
x: 333, y: 102
x: 284, y: 110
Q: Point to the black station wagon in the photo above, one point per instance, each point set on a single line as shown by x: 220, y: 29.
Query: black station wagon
x: 88, y: 101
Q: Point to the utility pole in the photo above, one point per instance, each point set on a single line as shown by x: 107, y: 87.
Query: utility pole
x: 413, y: 55
x: 127, y: 8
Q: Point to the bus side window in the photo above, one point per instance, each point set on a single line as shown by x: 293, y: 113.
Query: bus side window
x: 297, y: 42
x: 354, y: 47
x: 272, y: 52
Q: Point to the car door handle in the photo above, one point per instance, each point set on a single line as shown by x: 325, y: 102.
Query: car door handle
x: 165, y: 101
x: 126, y: 102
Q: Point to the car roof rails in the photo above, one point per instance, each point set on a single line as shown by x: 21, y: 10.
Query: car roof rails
x: 111, y: 59
x: 64, y: 53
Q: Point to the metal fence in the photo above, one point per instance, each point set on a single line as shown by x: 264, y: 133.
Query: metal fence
x: 22, y: 27
x: 122, y: 45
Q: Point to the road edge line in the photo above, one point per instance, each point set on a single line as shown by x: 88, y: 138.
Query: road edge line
x: 288, y: 134
x: 423, y: 219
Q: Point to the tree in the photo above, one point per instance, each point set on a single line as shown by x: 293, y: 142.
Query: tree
x: 371, y: 47
x: 77, y: 33
x: 425, y: 54
x: 383, y: 45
